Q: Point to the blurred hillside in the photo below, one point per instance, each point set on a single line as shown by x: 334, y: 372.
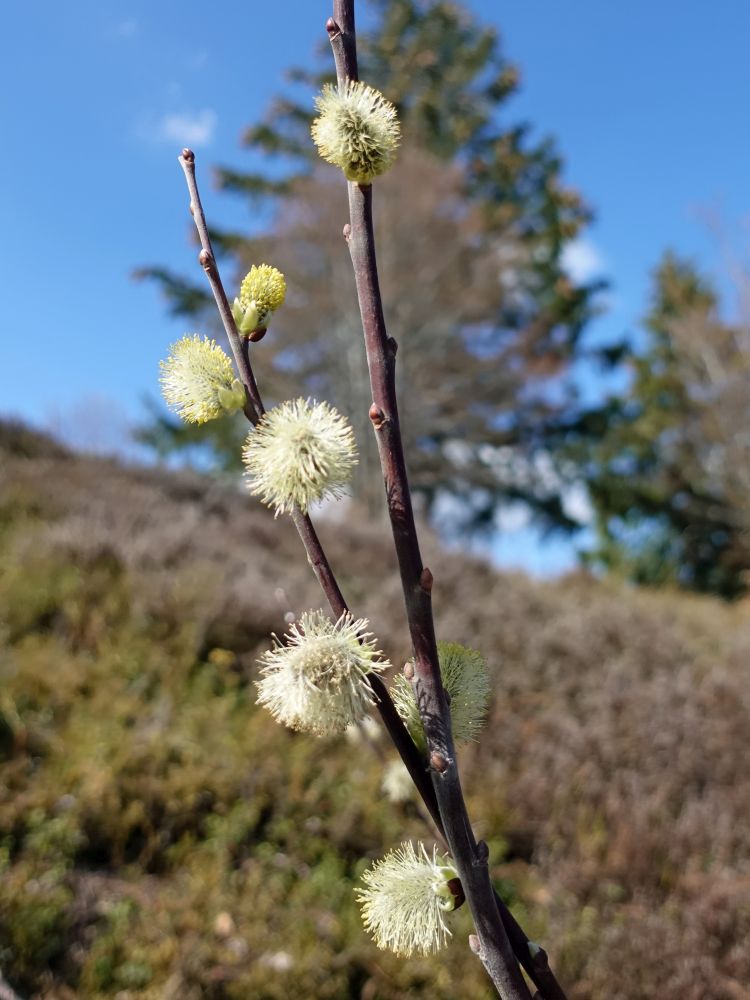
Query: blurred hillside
x: 161, y: 837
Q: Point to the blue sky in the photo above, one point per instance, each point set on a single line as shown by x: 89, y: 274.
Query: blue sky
x: 648, y: 103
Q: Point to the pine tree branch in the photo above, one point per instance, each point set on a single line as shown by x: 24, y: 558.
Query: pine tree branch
x: 471, y: 858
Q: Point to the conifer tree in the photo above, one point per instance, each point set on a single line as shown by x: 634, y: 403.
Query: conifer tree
x: 487, y: 320
x: 671, y: 473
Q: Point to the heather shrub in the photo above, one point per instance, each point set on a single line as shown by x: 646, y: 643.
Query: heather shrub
x: 160, y: 833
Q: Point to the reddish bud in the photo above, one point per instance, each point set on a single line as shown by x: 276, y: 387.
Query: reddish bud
x: 457, y: 891
x: 377, y: 416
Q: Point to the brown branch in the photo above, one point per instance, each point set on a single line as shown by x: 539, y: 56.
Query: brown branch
x: 342, y: 36
x: 410, y: 755
x: 471, y: 858
x: 254, y: 408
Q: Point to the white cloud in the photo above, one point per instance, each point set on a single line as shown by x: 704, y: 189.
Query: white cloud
x: 199, y: 60
x: 576, y: 503
x: 513, y: 517
x: 126, y: 28
x: 184, y: 128
x: 582, y: 260
x: 537, y: 473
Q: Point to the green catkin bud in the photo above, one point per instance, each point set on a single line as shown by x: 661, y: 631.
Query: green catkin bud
x: 405, y: 900
x: 465, y: 680
x: 357, y: 129
x: 198, y: 381
x: 300, y: 452
x: 318, y: 682
x: 261, y: 293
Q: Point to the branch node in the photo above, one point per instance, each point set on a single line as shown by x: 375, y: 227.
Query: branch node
x: 438, y: 762
x: 482, y: 855
x: 206, y: 259
x: 474, y: 944
x: 377, y: 416
x: 426, y: 580
x: 347, y: 232
x: 332, y: 28
x: 188, y: 155
x: 392, y: 346
x: 409, y: 670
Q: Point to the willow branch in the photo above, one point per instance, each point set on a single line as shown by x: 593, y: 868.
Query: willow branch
x: 254, y: 409
x: 416, y: 580
x: 410, y: 755
x: 471, y: 859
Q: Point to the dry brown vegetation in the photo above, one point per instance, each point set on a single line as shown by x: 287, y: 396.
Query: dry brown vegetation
x: 160, y: 836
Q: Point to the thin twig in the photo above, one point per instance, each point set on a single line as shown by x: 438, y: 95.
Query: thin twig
x: 471, y: 858
x: 208, y: 263
x: 410, y: 755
